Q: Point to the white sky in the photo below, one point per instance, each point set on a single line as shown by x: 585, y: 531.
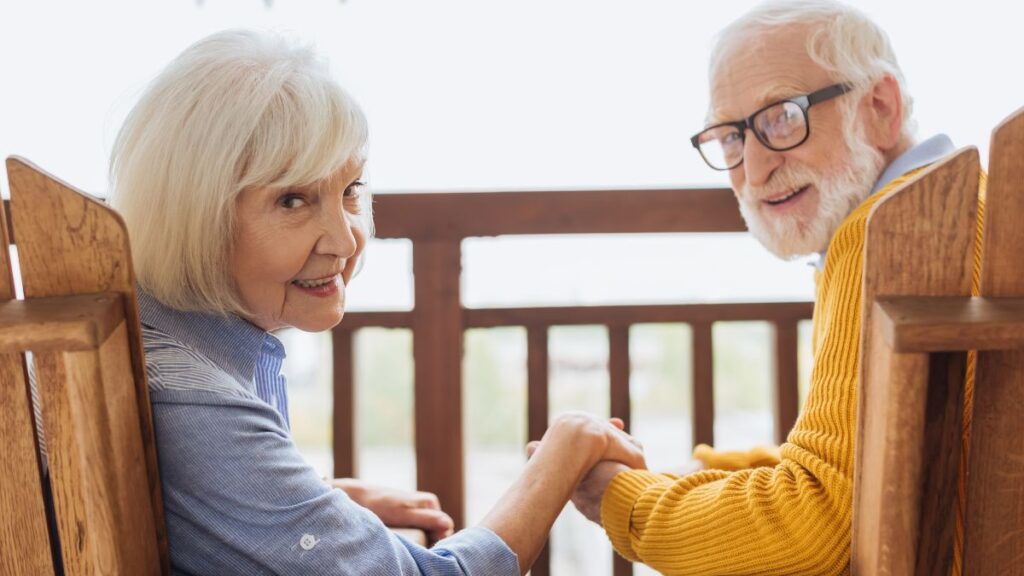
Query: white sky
x: 478, y: 94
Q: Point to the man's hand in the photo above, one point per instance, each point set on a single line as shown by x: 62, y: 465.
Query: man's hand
x: 587, y: 497
x: 398, y: 508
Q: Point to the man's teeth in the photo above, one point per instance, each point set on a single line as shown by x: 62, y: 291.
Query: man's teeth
x: 784, y: 198
x: 313, y: 283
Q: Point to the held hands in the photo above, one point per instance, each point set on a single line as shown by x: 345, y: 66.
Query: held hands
x: 597, y: 439
x: 399, y: 508
x: 611, y: 451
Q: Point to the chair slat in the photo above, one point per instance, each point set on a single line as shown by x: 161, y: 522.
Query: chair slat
x: 24, y: 539
x: 69, y: 243
x: 993, y: 542
x: 919, y: 241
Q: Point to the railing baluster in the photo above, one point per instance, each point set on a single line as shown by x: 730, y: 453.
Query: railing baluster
x: 785, y: 393
x: 437, y: 350
x: 618, y: 372
x: 703, y: 384
x: 537, y: 410
x: 344, y: 418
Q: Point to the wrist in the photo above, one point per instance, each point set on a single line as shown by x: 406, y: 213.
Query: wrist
x: 579, y: 443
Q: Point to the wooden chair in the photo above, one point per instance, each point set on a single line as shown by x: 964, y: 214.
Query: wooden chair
x: 80, y: 322
x: 919, y: 322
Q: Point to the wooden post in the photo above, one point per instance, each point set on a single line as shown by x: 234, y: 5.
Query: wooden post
x: 703, y: 384
x: 344, y: 414
x: 437, y: 349
x: 537, y: 411
x: 785, y: 382
x: 618, y: 371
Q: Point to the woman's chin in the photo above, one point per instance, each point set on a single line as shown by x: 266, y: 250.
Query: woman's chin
x: 319, y: 323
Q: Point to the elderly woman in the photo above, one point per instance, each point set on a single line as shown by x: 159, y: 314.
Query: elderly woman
x: 238, y: 174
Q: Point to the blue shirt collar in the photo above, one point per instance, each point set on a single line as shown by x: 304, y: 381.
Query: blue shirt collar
x: 232, y: 343
x: 919, y: 155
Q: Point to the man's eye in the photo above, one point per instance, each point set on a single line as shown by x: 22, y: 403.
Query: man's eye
x: 731, y: 138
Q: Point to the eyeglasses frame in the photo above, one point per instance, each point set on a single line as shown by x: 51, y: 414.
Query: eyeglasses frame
x: 804, y: 102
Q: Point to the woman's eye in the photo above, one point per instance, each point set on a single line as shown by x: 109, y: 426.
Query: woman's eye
x: 291, y: 201
x: 353, y: 189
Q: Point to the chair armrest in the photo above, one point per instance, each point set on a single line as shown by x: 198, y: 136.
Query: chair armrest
x: 80, y: 322
x: 947, y: 324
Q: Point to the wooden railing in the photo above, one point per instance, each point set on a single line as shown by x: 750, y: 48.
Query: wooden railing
x: 437, y: 224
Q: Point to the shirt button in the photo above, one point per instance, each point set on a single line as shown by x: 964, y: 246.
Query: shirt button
x: 308, y: 542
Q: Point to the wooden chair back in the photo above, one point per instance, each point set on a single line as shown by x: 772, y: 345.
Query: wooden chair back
x: 920, y: 321
x: 79, y: 320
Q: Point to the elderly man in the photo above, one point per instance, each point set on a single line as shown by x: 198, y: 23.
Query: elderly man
x: 810, y: 116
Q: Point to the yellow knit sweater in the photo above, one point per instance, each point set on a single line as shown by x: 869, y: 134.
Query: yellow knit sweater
x: 768, y: 511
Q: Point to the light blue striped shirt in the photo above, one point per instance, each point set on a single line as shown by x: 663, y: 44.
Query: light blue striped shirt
x: 238, y: 496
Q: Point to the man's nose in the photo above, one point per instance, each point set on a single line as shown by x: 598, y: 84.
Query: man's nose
x: 759, y: 161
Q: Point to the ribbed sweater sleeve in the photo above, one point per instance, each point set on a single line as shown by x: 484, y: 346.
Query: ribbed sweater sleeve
x: 791, y: 518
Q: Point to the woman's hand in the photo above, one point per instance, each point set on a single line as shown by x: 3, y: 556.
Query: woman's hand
x: 399, y: 508
x: 603, y: 439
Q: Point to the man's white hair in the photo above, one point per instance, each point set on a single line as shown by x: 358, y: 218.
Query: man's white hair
x: 842, y: 40
x: 236, y: 110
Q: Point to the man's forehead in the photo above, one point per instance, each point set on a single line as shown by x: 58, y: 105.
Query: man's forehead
x: 762, y: 70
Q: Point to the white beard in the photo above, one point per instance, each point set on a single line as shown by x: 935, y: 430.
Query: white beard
x: 789, y: 236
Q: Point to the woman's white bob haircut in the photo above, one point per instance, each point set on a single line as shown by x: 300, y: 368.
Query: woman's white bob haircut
x: 236, y: 110
x: 842, y: 40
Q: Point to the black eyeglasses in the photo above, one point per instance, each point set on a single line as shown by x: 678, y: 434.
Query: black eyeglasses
x: 780, y: 126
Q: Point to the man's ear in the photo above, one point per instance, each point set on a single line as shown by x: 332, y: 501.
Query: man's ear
x: 882, y: 108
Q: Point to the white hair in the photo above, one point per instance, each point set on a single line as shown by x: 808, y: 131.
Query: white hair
x: 236, y: 110
x: 842, y: 40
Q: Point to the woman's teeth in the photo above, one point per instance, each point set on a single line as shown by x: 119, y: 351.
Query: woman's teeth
x: 313, y: 283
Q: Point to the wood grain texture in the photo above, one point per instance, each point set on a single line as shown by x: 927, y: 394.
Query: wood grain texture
x: 24, y: 539
x: 994, y: 530
x: 437, y: 350
x: 919, y: 241
x: 68, y: 244
x: 59, y: 323
x: 936, y: 323
x: 97, y: 468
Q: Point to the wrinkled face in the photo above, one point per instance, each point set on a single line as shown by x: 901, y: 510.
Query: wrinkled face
x: 792, y: 201
x: 295, y: 249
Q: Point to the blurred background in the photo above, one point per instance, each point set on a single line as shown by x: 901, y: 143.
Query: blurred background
x: 496, y: 96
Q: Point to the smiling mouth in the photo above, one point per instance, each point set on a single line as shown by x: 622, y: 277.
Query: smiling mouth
x: 787, y: 197
x: 315, y: 283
